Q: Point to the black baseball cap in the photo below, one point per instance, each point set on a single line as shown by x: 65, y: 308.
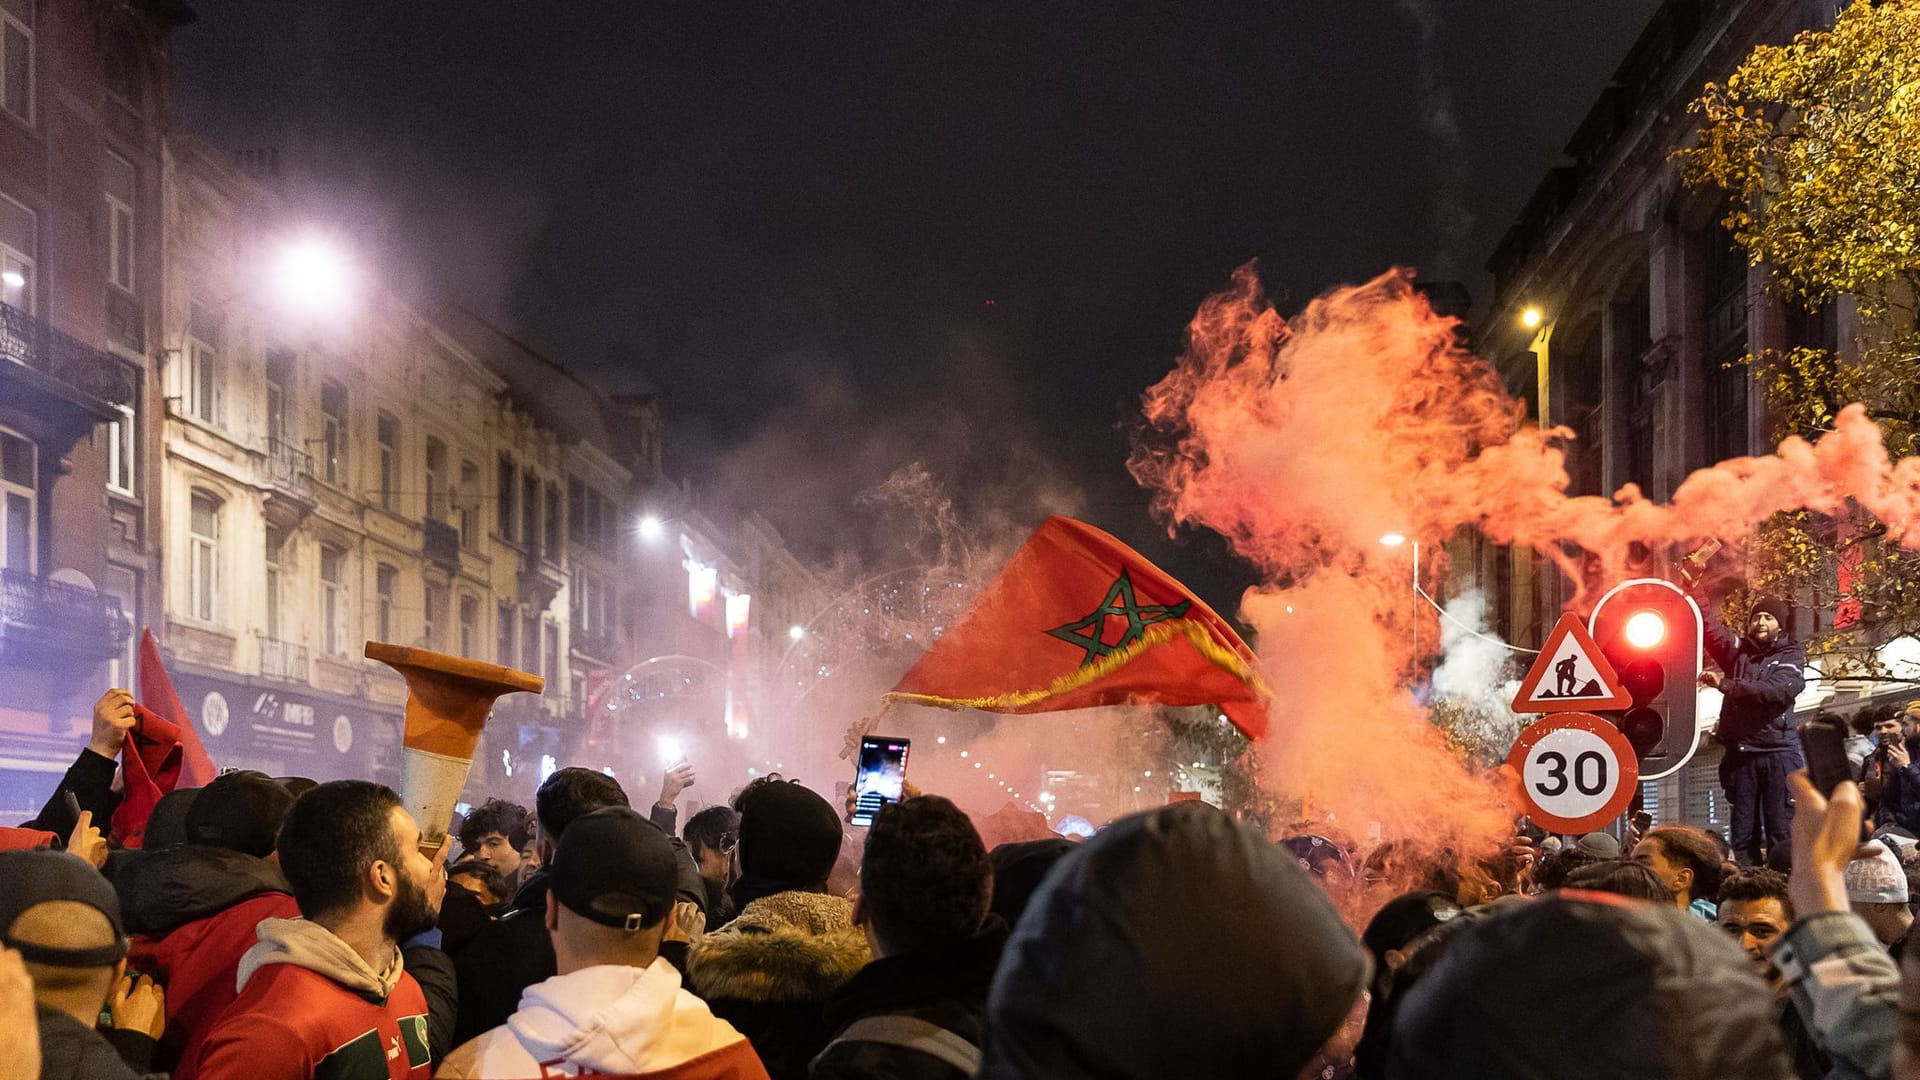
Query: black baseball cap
x: 615, y: 867
x: 240, y: 811
x: 40, y: 877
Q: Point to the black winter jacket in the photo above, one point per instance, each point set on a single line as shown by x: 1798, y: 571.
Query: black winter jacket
x: 946, y: 987
x: 70, y: 1050
x: 161, y: 891
x: 90, y: 778
x: 1761, y: 684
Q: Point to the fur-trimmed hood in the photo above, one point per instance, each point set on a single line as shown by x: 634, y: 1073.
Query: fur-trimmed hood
x: 788, y: 947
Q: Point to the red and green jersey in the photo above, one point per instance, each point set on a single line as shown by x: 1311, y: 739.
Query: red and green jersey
x: 291, y: 1023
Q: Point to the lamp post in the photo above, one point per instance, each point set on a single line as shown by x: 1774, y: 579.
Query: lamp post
x: 1542, y: 326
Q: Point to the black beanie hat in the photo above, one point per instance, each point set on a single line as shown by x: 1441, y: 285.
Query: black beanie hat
x: 1776, y: 608
x: 240, y: 811
x: 789, y: 839
x: 1183, y: 916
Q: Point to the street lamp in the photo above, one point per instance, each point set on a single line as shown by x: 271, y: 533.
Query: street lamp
x: 796, y: 632
x: 312, y: 274
x: 1537, y: 321
x: 651, y: 527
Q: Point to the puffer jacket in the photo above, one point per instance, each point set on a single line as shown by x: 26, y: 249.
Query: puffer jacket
x: 771, y: 971
x: 194, y: 911
x: 1761, y: 684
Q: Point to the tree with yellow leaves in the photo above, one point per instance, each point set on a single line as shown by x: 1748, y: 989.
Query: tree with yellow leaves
x: 1817, y: 145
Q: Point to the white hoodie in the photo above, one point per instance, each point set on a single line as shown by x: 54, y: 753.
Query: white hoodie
x: 605, y: 1019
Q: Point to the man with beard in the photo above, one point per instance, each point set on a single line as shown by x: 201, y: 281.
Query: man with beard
x: 1760, y: 674
x: 1756, y: 908
x: 328, y: 995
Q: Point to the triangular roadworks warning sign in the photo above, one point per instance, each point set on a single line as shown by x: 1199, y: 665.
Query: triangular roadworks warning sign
x: 1571, y: 675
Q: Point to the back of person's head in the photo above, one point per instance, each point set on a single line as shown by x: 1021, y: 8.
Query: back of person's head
x: 1621, y: 878
x: 570, y: 792
x: 1860, y: 721
x: 1018, y: 869
x: 167, y: 825
x: 1260, y: 972
x: 330, y: 839
x: 496, y: 816
x: 64, y: 919
x: 239, y: 811
x: 1555, y: 868
x: 924, y: 877
x: 789, y: 839
x: 483, y: 881
x: 714, y: 829
x: 1570, y: 964
x: 1684, y: 845
x: 614, y: 879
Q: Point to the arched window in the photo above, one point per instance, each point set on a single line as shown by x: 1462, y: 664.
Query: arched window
x: 203, y: 546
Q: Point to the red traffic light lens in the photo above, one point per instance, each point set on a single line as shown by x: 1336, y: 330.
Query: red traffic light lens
x: 1645, y: 629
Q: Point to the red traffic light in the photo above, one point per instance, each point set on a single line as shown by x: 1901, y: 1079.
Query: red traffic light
x: 1645, y: 629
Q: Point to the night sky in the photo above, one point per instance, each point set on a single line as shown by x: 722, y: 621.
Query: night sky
x: 842, y: 237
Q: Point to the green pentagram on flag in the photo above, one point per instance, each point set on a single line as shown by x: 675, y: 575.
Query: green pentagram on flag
x: 1090, y: 633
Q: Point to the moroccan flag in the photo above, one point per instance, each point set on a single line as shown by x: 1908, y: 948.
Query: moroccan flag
x: 1076, y: 619
x: 162, y: 751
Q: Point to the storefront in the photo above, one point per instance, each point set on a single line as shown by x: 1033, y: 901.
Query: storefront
x: 282, y: 730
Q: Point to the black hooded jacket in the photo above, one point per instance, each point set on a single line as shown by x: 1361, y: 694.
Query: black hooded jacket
x: 945, y: 986
x: 70, y: 1050
x: 1174, y: 944
x: 161, y: 891
x: 1761, y: 684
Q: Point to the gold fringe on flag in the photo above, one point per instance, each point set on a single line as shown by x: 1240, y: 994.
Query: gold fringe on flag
x: 1153, y: 637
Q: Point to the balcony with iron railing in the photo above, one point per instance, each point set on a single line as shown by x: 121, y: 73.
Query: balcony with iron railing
x: 440, y: 544
x: 289, y: 484
x: 43, y: 619
x: 33, y: 344
x: 282, y: 661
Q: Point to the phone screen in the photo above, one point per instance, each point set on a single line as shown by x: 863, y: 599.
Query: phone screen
x: 881, y: 776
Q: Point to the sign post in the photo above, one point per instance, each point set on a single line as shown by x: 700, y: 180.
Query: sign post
x: 1577, y: 772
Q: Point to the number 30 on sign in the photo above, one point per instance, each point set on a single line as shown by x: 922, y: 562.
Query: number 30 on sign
x: 1577, y: 770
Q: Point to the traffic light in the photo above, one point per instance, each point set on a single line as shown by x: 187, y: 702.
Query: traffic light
x: 1650, y: 632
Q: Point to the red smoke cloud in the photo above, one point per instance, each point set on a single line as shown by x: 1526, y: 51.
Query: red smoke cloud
x: 1304, y: 440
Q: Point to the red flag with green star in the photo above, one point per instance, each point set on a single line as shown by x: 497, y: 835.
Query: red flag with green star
x: 1077, y: 619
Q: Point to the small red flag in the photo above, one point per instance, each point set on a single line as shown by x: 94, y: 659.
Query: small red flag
x: 1077, y: 619
x: 162, y: 751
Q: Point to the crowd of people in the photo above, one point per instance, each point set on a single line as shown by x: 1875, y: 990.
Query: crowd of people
x: 279, y: 928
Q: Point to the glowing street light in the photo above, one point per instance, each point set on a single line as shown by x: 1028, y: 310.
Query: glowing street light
x: 14, y: 279
x: 313, y: 274
x: 651, y: 527
x: 1532, y: 317
x: 1393, y: 539
x: 796, y: 632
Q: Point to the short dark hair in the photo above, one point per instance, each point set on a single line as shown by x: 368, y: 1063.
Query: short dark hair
x: 1557, y: 867
x: 1692, y: 848
x: 570, y: 792
x: 495, y: 816
x: 331, y: 836
x: 925, y: 877
x: 488, y: 878
x: 1622, y: 878
x: 717, y: 828
x: 1860, y: 721
x: 1757, y: 883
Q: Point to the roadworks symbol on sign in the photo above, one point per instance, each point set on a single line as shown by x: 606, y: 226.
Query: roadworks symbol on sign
x: 1570, y: 675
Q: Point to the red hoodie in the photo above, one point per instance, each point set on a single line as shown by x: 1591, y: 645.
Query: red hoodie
x: 310, y: 1008
x: 199, y: 964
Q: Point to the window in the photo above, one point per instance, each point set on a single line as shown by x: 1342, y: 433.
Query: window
x: 275, y: 541
x: 436, y: 479
x: 530, y: 511
x: 333, y: 600
x: 469, y: 503
x: 16, y: 58
x: 508, y: 517
x: 18, y: 246
x: 550, y: 641
x: 469, y: 624
x: 504, y: 644
x: 117, y: 181
x: 434, y: 603
x: 384, y: 577
x: 202, y: 390
x: 553, y: 521
x: 333, y: 432
x: 19, y: 470
x: 589, y: 516
x: 386, y: 432
x: 529, y: 643
x: 122, y: 436
x: 279, y: 377
x: 203, y: 555
x: 1724, y: 293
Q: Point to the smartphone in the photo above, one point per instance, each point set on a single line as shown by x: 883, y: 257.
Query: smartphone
x: 1824, y: 740
x: 880, y: 777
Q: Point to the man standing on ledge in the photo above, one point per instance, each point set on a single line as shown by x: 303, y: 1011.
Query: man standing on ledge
x: 1761, y: 674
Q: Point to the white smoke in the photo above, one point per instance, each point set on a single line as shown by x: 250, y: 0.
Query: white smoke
x: 1476, y: 676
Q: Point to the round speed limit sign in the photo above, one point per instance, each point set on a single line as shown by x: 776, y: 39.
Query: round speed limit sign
x: 1577, y: 770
